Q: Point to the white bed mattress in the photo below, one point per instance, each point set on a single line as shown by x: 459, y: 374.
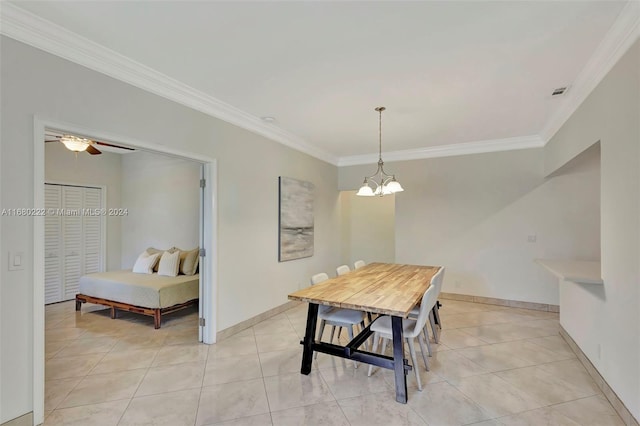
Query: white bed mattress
x: 146, y: 290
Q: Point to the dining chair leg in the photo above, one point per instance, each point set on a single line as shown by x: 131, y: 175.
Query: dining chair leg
x: 436, y: 314
x: 376, y: 339
x: 319, y: 338
x: 333, y: 330
x: 414, y: 360
x: 425, y: 331
x: 422, y: 349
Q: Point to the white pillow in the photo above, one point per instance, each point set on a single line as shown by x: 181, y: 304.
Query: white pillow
x: 169, y: 264
x: 145, y: 263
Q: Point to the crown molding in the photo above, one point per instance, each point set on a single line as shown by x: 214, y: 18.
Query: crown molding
x: 620, y: 37
x: 30, y: 29
x: 466, y: 148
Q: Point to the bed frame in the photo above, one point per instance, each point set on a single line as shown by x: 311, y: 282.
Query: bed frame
x: 156, y: 313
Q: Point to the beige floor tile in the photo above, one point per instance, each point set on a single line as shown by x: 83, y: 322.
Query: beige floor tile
x: 498, y: 333
x: 169, y: 378
x: 182, y: 336
x: 546, y: 387
x: 233, y: 346
x: 555, y: 344
x: 103, y: 388
x: 63, y: 334
x: 492, y: 422
x: 493, y: 357
x: 103, y: 414
x: 231, y: 401
x: 277, y: 342
x: 591, y: 411
x: 456, y: 339
x: 296, y: 390
x: 178, y: 354
x: 496, y: 396
x: 126, y: 360
x: 55, y: 391
x: 280, y: 325
x: 285, y: 361
x: 258, y: 420
x: 540, y: 416
x: 379, y: 409
x: 73, y: 366
x: 532, y: 352
x: 450, y: 365
x: 328, y: 413
x: 167, y: 409
x: 141, y: 340
x: 573, y: 372
x: 347, y: 382
x: 51, y: 348
x: 84, y: 346
x: 443, y: 404
x: 227, y: 370
x: 426, y: 377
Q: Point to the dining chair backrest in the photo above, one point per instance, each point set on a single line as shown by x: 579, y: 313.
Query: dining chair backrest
x: 342, y: 269
x: 358, y: 264
x: 318, y: 278
x: 429, y: 300
x: 437, y: 280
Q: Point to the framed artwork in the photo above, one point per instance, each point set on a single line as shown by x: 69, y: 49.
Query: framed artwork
x: 295, y: 226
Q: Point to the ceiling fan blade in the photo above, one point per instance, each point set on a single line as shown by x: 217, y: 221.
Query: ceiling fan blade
x: 53, y: 140
x: 93, y: 150
x: 114, y: 146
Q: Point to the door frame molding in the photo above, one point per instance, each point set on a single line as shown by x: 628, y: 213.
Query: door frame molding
x: 210, y: 232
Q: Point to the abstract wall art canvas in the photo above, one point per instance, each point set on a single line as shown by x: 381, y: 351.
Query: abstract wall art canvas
x: 296, y: 219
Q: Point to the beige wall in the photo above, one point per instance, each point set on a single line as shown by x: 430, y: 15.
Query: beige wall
x: 474, y: 215
x: 62, y: 166
x: 250, y: 278
x: 162, y: 198
x: 604, y: 320
x: 368, y: 228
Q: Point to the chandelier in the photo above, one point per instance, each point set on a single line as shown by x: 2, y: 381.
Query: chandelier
x: 384, y: 184
x: 74, y: 143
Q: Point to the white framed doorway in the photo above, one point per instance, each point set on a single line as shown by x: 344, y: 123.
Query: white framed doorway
x: 208, y: 236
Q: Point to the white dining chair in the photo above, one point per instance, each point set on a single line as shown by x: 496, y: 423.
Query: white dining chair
x: 411, y: 329
x: 336, y: 317
x: 436, y: 281
x: 342, y: 269
x: 358, y: 264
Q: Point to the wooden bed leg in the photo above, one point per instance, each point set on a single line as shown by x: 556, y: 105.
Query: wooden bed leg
x: 78, y: 304
x: 113, y: 312
x: 157, y: 318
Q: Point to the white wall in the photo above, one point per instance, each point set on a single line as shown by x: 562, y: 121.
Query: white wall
x: 368, y: 225
x: 62, y: 166
x: 473, y: 214
x: 34, y: 82
x: 605, y: 321
x: 162, y: 198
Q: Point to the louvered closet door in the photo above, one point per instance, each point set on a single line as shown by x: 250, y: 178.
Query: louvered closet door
x: 92, y: 232
x: 72, y: 234
x: 52, y: 245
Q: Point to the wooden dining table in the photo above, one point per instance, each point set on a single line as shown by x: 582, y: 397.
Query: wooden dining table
x: 381, y: 288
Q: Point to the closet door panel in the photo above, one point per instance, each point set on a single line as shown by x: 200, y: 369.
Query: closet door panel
x: 52, y: 245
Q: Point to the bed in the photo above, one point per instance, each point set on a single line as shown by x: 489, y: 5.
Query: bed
x: 147, y: 294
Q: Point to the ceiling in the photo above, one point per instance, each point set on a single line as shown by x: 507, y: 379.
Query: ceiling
x: 449, y: 73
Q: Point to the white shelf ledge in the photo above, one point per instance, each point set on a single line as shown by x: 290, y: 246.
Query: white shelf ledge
x: 579, y: 271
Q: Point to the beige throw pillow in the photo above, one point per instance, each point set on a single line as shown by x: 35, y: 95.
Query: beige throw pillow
x: 169, y: 264
x: 152, y: 250
x: 189, y: 260
x: 145, y: 263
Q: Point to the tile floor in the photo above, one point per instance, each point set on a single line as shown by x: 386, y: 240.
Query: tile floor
x: 494, y: 366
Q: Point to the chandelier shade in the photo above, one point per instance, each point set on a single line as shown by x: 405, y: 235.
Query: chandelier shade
x: 380, y: 183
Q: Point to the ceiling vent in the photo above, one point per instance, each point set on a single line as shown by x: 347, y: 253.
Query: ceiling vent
x: 559, y: 91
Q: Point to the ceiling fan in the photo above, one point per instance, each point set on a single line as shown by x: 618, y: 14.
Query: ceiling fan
x: 79, y: 144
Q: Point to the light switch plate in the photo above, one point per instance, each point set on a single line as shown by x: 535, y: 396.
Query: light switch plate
x: 16, y: 260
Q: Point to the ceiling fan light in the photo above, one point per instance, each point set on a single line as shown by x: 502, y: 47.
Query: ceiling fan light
x: 74, y: 143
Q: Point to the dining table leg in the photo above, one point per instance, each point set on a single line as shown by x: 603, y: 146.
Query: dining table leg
x: 309, y: 336
x: 398, y: 360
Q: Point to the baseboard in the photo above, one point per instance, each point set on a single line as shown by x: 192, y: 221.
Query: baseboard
x: 501, y: 302
x: 235, y: 329
x: 26, y: 420
x: 617, y: 404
